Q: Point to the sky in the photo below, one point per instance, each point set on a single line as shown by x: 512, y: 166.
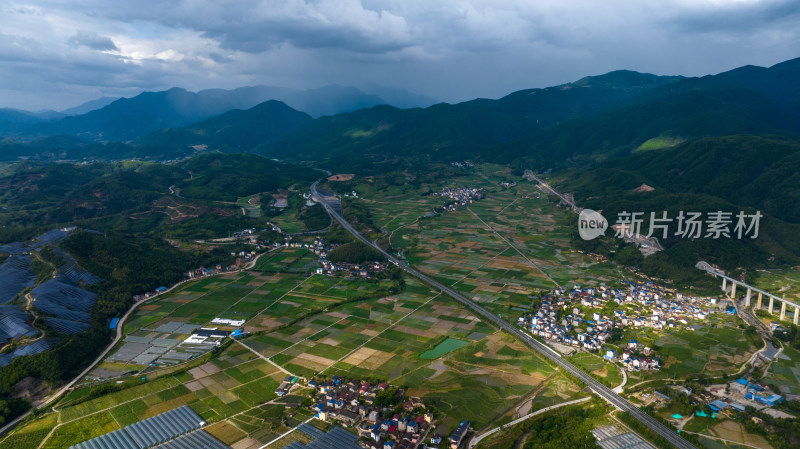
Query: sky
x: 56, y: 54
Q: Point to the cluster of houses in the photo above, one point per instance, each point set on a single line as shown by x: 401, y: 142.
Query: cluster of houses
x: 565, y: 317
x: 364, y: 270
x: 321, y: 249
x: 246, y: 255
x: 244, y: 233
x: 286, y: 386
x: 463, y: 164
x: 204, y: 272
x: 462, y: 196
x: 208, y: 271
x: 739, y: 394
x: 350, y: 403
x: 634, y: 358
x: 736, y: 395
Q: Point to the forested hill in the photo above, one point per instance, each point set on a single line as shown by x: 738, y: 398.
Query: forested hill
x: 145, y: 219
x: 136, y: 196
x: 443, y: 132
x: 234, y: 131
x: 547, y: 128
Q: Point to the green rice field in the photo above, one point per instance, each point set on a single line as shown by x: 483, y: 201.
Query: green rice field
x: 445, y: 347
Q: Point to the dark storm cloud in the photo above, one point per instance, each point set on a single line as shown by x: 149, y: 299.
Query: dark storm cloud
x: 451, y: 50
x: 373, y: 32
x: 255, y: 26
x: 93, y: 41
x: 743, y: 19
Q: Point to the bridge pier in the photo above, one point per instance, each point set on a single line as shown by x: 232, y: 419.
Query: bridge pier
x: 747, y: 298
x: 796, y: 312
x: 771, y: 301
x: 733, y: 290
x: 783, y: 310
x: 724, y: 285
x: 758, y: 302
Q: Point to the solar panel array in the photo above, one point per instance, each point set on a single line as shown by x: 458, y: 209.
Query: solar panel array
x: 148, y: 433
x: 199, y: 439
x: 311, y: 431
x: 15, y: 277
x: 52, y: 236
x: 73, y: 272
x: 612, y: 437
x: 64, y: 293
x: 13, y: 324
x: 14, y: 248
x: 31, y: 349
x: 68, y: 303
x: 336, y: 438
x: 65, y: 326
x: 61, y: 311
x: 49, y: 237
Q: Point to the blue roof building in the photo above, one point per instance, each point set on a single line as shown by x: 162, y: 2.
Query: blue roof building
x: 773, y: 400
x: 718, y: 404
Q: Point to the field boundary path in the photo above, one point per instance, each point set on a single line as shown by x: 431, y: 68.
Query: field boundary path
x: 333, y: 207
x: 514, y: 247
x: 474, y: 442
x: 119, y: 333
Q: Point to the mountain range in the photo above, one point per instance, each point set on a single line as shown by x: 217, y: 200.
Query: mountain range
x: 729, y: 141
x: 123, y: 119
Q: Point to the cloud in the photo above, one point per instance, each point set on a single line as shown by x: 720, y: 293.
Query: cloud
x: 735, y: 18
x: 93, y: 41
x: 447, y: 49
x: 255, y: 26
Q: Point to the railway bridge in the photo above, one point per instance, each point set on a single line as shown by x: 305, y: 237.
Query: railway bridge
x: 751, y: 291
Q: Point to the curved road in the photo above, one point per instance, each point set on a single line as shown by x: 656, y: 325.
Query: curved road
x: 474, y: 441
x: 54, y: 396
x: 333, y: 208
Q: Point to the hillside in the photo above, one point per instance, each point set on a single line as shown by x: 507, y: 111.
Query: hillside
x: 136, y: 197
x: 233, y: 131
x: 454, y: 132
x: 123, y: 119
x: 13, y: 121
x: 682, y: 117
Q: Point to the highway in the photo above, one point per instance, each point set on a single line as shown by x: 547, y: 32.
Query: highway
x: 333, y: 207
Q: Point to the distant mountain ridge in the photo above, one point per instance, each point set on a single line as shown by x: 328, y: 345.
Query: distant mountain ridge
x: 472, y: 129
x: 123, y: 119
x: 593, y: 118
x: 234, y: 131
x: 90, y: 106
